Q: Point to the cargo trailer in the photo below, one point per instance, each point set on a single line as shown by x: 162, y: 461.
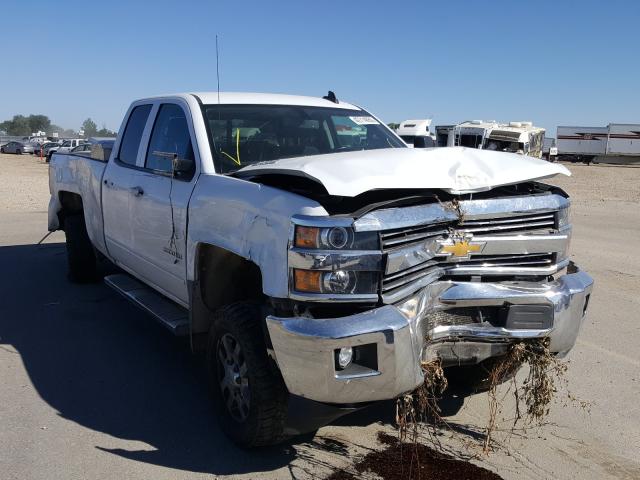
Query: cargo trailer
x: 615, y: 143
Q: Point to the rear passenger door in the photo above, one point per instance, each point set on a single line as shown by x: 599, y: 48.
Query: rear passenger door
x: 117, y: 184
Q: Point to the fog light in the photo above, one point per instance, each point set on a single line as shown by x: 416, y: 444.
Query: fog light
x: 345, y: 355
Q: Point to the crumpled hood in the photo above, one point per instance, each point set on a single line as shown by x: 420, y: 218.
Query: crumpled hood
x: 454, y: 169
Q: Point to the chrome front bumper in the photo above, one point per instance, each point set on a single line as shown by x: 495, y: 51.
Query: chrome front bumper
x: 305, y: 348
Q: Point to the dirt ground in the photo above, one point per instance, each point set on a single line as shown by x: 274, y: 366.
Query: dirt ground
x: 91, y: 388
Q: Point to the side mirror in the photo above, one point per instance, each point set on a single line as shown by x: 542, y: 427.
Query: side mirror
x: 182, y: 166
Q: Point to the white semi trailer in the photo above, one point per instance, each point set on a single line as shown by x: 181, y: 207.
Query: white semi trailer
x: 615, y: 143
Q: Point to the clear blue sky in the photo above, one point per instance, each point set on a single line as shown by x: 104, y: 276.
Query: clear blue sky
x: 552, y: 62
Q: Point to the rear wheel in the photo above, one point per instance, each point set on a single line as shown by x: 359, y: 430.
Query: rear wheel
x: 81, y: 256
x: 249, y: 393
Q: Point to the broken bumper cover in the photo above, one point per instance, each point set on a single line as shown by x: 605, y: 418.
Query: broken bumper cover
x: 306, y: 348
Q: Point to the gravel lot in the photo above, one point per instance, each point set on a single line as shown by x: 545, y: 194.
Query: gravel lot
x: 91, y: 388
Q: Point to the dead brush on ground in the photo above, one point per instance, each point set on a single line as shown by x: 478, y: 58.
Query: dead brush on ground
x: 533, y: 395
x: 420, y: 407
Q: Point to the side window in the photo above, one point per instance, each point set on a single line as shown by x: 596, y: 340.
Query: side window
x: 133, y: 134
x: 170, y: 137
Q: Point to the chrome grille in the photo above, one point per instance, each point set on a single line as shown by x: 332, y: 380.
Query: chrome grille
x: 407, y: 236
x: 529, y: 223
x: 394, y: 285
x: 399, y: 284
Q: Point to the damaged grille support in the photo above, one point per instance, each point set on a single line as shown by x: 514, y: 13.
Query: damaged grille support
x: 498, y: 237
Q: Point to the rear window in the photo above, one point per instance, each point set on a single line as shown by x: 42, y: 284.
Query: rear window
x: 133, y: 134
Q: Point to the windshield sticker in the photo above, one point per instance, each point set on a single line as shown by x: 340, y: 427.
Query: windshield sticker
x: 364, y: 120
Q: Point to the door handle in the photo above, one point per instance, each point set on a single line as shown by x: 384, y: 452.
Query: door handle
x: 137, y: 191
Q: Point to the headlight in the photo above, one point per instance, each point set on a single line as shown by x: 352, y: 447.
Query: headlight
x: 334, y: 238
x: 564, y: 217
x: 336, y: 261
x: 335, y: 281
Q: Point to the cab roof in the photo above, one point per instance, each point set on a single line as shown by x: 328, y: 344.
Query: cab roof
x: 248, y: 98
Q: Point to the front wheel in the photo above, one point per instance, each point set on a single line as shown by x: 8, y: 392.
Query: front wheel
x: 249, y: 393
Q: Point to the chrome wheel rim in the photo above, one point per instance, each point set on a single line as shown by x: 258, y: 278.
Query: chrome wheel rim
x: 232, y: 377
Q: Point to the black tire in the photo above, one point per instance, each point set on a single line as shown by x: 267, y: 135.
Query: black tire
x: 18, y: 152
x: 1, y: 149
x: 81, y: 256
x: 239, y: 325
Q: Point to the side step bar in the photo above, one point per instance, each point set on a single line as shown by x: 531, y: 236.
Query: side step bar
x: 169, y: 314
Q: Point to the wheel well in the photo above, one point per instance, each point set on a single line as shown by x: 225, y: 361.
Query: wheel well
x: 71, y: 204
x: 222, y: 277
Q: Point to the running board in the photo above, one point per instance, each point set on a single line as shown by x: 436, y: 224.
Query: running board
x: 168, y: 313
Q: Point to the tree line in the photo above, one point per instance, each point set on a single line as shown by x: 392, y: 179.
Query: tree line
x: 21, y: 125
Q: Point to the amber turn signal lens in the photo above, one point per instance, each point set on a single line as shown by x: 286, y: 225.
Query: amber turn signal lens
x: 307, y: 237
x: 307, y: 281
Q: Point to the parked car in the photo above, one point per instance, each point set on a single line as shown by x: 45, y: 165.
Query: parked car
x: 17, y: 147
x: 45, y: 147
x: 316, y: 258
x: 65, y: 146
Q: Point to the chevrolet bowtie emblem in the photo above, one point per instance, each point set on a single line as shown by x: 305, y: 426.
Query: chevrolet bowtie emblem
x: 458, y: 246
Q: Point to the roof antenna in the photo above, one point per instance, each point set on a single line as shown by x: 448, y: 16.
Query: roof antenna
x: 218, y: 70
x: 331, y: 97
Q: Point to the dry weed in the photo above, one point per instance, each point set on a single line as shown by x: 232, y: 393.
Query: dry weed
x: 533, y: 395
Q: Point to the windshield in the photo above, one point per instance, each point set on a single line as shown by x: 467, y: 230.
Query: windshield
x: 503, y: 145
x: 242, y: 135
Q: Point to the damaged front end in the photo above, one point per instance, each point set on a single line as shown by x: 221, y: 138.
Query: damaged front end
x: 457, y: 280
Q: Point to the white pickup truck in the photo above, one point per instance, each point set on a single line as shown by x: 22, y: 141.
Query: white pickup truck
x: 66, y: 146
x: 316, y: 258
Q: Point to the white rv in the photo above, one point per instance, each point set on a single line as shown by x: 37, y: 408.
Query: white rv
x: 516, y: 137
x: 416, y: 133
x: 615, y: 143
